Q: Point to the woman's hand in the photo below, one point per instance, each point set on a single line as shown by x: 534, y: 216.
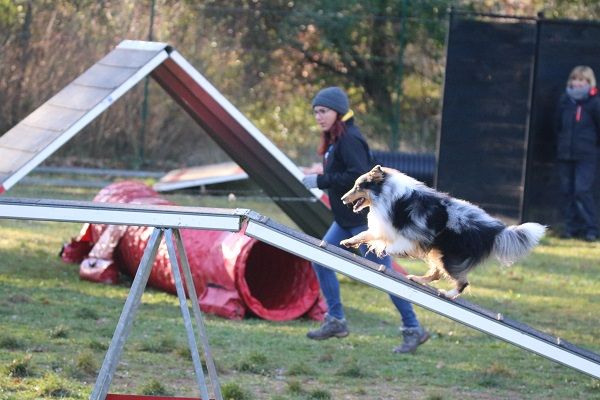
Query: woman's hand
x: 310, y: 181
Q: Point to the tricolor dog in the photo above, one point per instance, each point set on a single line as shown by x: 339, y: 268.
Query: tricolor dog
x: 408, y: 219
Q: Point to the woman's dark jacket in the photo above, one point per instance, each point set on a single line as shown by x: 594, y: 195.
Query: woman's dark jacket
x: 578, y: 127
x: 347, y: 159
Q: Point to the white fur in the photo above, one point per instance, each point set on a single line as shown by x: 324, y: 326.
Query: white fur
x: 389, y: 240
x: 507, y: 246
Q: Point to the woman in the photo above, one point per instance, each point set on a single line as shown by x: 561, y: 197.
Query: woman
x: 346, y: 156
x: 578, y: 132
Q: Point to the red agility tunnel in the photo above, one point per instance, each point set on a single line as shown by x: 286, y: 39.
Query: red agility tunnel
x: 232, y: 273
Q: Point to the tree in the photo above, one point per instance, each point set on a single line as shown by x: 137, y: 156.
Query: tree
x: 356, y: 44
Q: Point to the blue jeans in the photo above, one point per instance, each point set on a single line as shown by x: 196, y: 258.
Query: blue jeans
x: 330, y: 286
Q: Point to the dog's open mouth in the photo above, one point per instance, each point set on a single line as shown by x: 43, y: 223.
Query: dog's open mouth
x: 357, y: 205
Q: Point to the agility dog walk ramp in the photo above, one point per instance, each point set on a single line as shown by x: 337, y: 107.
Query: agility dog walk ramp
x: 262, y: 228
x: 56, y: 121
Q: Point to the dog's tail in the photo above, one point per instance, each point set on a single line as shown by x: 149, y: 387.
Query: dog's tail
x: 516, y: 241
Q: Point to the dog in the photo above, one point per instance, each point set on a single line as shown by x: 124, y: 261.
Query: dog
x: 409, y: 219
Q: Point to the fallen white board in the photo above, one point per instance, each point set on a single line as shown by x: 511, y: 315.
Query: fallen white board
x: 184, y: 178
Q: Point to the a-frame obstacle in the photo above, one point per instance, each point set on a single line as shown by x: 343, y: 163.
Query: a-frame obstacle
x: 60, y: 118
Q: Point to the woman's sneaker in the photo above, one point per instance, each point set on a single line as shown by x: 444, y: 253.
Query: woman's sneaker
x: 331, y: 327
x: 413, y: 338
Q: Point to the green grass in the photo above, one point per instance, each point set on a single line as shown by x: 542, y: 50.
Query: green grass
x: 55, y: 330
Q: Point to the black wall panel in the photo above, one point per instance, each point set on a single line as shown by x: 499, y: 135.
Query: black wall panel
x: 482, y: 145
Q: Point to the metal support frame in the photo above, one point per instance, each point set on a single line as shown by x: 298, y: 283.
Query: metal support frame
x: 111, y: 360
x: 210, y: 364
x: 113, y: 355
x: 185, y: 312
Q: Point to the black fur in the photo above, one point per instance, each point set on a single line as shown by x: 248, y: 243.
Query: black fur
x: 465, y: 250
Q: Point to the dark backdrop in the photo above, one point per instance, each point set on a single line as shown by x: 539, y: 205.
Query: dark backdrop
x: 503, y: 80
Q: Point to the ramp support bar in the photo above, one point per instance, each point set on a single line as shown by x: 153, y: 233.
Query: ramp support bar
x: 111, y: 360
x: 132, y: 303
x: 210, y: 363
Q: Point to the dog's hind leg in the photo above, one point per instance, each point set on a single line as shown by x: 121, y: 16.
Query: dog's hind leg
x: 425, y: 279
x: 454, y: 293
x: 435, y: 269
x: 460, y: 284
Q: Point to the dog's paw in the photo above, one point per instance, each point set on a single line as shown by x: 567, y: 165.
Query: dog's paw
x: 450, y: 294
x: 418, y: 279
x: 349, y: 243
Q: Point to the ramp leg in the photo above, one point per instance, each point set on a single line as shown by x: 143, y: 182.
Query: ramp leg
x: 186, y: 315
x: 111, y: 360
x: 208, y: 358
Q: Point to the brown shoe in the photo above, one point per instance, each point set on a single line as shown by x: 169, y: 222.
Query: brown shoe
x: 331, y: 327
x: 413, y: 338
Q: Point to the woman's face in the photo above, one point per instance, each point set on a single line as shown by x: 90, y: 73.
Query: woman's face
x: 325, y: 117
x: 578, y: 82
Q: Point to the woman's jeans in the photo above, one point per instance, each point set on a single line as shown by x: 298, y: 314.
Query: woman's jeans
x: 330, y: 285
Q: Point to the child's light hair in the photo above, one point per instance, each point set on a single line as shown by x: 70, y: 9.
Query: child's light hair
x: 583, y: 72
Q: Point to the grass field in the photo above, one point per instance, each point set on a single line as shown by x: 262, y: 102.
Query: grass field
x: 55, y: 330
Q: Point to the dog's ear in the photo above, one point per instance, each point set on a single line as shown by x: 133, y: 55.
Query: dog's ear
x: 376, y: 174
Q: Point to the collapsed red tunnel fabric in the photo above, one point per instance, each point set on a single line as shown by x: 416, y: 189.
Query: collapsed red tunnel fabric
x: 232, y: 273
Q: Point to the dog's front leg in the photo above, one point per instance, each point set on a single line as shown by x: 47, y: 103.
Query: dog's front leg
x: 356, y: 241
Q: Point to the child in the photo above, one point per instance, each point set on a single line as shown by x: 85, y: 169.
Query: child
x: 577, y: 138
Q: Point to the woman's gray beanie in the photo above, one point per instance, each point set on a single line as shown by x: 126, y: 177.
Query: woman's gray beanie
x: 333, y: 98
